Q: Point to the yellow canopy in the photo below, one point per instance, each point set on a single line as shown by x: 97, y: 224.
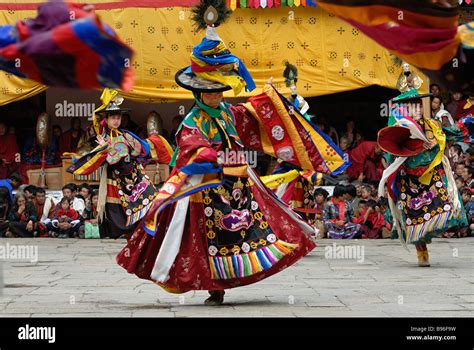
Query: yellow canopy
x: 331, y: 56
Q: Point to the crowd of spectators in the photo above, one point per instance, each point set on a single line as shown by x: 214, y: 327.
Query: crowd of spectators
x: 353, y: 211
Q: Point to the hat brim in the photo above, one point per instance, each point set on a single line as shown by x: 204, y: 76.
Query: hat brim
x: 413, y: 98
x: 192, y: 82
x: 114, y: 111
x: 396, y: 140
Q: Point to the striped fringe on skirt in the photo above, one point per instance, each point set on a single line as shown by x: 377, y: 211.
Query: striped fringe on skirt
x: 243, y: 265
x: 438, y: 222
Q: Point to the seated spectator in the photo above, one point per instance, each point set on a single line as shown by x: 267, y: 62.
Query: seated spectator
x: 71, y: 140
x: 366, y: 161
x: 466, y: 107
x: 370, y: 218
x: 469, y: 156
x: 6, y: 200
x: 44, y: 206
x: 91, y: 223
x: 8, y: 185
x: 439, y: 113
x: 468, y: 203
x: 5, y: 203
x: 320, y: 196
x: 66, y: 222
x: 29, y: 192
x: 467, y: 176
x: 366, y: 192
x: 22, y: 218
x: 374, y: 190
x: 456, y: 155
x: 453, y: 105
x: 344, y: 146
x: 359, y: 138
x: 460, y: 183
x: 435, y: 90
x: 351, y: 196
x: 338, y: 216
x: 387, y: 216
x: 85, y: 193
x: 9, y: 153
x: 459, y: 169
x: 76, y: 203
x: 54, y: 143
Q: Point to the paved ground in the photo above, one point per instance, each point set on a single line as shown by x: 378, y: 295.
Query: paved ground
x: 80, y: 278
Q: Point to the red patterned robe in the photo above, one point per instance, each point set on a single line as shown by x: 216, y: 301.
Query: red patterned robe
x: 214, y: 226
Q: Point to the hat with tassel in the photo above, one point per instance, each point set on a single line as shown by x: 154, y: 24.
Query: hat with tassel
x: 213, y: 68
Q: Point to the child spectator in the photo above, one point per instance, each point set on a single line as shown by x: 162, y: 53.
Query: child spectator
x: 338, y: 216
x: 366, y: 193
x: 90, y: 229
x: 67, y: 220
x: 78, y: 204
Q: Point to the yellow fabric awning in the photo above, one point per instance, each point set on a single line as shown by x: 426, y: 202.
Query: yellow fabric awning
x: 331, y: 56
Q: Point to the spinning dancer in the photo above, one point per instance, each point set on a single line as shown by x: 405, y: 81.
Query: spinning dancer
x: 214, y: 225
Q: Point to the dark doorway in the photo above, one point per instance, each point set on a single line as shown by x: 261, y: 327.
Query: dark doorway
x: 367, y: 107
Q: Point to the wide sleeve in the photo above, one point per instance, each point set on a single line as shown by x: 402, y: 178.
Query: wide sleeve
x: 160, y: 150
x: 90, y: 162
x: 268, y: 122
x: 155, y: 147
x: 453, y: 133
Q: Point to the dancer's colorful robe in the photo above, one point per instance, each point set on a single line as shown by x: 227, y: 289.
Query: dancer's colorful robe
x: 424, y: 191
x: 125, y: 190
x: 425, y: 34
x: 66, y: 46
x: 296, y: 188
x: 217, y: 227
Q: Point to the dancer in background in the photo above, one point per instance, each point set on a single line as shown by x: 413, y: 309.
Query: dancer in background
x: 422, y: 193
x: 125, y: 193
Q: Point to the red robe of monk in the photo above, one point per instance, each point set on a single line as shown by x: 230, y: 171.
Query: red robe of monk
x: 465, y: 108
x: 9, y: 155
x: 69, y: 143
x: 365, y: 160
